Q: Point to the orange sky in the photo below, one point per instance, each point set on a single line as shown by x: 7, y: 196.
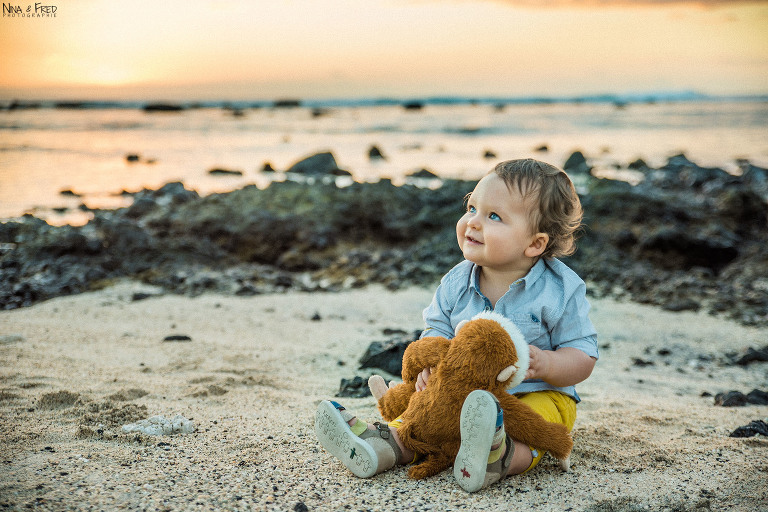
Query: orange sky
x: 241, y: 49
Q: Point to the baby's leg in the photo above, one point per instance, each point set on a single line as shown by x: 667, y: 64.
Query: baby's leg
x: 487, y: 454
x: 554, y: 407
x: 407, y: 456
x: 363, y: 448
x: 523, y: 458
x: 486, y: 451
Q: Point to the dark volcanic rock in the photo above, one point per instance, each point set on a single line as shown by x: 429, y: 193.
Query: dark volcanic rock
x: 224, y: 172
x: 754, y: 176
x: 140, y: 207
x: 318, y: 164
x: 666, y: 246
x: 757, y: 397
x: 423, y: 173
x: 739, y: 399
x: 754, y: 428
x: 374, y: 153
x: 173, y: 193
x: 247, y: 241
x: 163, y: 107
x: 286, y: 103
x: 413, y: 105
x: 357, y: 387
x: 676, y: 248
x: 576, y: 163
x: 731, y: 399
x: 655, y: 243
x: 177, y: 337
x: 752, y: 355
x: 690, y: 174
x: 387, y: 355
x: 741, y: 209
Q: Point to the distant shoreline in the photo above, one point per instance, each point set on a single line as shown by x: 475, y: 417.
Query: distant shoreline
x: 10, y: 101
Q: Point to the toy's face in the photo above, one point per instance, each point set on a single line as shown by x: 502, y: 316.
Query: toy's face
x: 483, y: 349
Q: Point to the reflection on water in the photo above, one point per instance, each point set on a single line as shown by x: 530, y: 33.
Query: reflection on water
x: 46, y: 151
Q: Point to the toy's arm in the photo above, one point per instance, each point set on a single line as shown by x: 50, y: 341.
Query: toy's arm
x: 424, y: 353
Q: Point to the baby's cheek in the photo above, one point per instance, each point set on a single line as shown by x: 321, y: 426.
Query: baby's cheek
x: 461, y: 228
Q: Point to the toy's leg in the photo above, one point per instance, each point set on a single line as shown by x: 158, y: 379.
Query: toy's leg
x: 364, y: 449
x: 378, y: 386
x: 486, y: 451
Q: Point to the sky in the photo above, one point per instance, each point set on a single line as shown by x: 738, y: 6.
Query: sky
x: 262, y: 49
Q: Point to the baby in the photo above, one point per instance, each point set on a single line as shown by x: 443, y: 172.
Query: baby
x: 519, y: 219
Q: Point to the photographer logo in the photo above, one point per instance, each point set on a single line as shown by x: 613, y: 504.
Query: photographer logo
x: 38, y: 10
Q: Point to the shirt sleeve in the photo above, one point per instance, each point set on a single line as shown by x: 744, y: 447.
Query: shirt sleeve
x: 437, y: 316
x: 574, y: 328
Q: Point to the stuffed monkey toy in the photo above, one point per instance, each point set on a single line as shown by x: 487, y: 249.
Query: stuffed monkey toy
x: 487, y: 352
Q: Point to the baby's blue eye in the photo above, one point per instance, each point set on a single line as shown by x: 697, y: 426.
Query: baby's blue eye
x: 471, y: 209
x: 494, y: 216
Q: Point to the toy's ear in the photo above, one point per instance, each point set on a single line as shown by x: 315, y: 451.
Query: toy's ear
x: 458, y: 327
x: 506, y: 373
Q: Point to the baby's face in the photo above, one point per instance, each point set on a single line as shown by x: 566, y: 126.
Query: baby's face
x: 495, y: 230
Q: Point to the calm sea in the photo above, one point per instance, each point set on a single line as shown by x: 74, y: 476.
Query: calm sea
x: 47, y: 150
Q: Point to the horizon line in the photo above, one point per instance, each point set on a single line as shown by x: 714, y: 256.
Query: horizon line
x: 9, y: 102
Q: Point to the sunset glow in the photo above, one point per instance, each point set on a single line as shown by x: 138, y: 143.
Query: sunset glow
x: 241, y: 49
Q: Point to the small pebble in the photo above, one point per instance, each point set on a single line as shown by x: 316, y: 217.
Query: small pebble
x: 177, y: 337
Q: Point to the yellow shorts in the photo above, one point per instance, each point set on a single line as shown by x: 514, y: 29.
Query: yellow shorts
x: 554, y: 407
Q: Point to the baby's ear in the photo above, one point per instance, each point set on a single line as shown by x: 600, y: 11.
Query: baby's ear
x: 537, y: 246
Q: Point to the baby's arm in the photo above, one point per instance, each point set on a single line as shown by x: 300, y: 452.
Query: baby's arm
x: 564, y: 367
x: 438, y: 323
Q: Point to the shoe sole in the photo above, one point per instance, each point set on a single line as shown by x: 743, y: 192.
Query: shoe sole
x: 478, y: 425
x: 336, y: 437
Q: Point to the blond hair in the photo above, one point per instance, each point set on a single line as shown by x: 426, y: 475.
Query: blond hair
x: 559, y: 212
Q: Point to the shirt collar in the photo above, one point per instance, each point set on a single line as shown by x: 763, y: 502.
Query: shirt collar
x: 534, y: 274
x: 474, y: 277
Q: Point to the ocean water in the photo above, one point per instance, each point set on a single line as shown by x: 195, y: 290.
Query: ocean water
x: 44, y: 151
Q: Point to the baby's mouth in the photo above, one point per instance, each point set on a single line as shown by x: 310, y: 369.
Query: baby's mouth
x: 473, y: 240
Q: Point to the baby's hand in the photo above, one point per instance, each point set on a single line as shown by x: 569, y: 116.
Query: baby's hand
x: 422, y: 378
x: 538, y: 367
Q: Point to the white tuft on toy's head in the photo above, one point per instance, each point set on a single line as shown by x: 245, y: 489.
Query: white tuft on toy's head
x: 459, y: 326
x: 521, y: 346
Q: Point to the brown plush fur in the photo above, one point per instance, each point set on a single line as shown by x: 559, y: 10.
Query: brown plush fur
x: 472, y: 360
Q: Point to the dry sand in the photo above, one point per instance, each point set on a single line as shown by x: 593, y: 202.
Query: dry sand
x: 75, y: 369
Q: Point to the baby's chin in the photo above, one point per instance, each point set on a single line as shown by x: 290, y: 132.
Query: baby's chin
x: 469, y: 257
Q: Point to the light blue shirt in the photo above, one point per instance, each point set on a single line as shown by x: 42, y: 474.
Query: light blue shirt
x: 548, y: 305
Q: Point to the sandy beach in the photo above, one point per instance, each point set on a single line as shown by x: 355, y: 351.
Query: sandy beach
x: 76, y: 369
